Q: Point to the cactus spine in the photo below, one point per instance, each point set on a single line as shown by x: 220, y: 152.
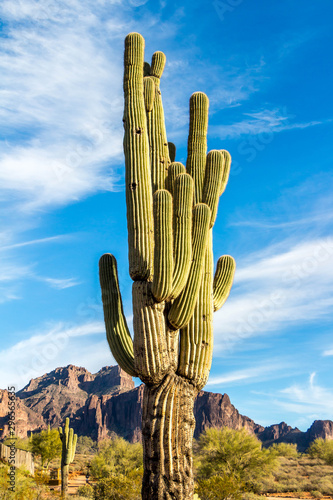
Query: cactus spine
x: 171, y: 211
x: 68, y: 439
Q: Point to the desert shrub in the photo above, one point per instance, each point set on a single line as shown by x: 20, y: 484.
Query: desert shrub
x: 221, y: 487
x: 119, y: 487
x: 287, y: 450
x: 25, y: 486
x: 20, y: 444
x: 86, y: 446
x: 316, y: 494
x: 325, y: 485
x: 323, y: 449
x: 236, y: 457
x: 116, y: 456
x: 86, y: 491
x: 47, y: 445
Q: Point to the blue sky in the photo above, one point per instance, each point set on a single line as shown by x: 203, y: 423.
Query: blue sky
x: 266, y: 69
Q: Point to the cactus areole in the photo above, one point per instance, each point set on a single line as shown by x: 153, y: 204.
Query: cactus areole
x: 171, y: 211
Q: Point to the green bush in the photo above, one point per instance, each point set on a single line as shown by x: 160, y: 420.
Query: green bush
x: 221, y: 487
x: 323, y: 449
x: 287, y: 450
x: 86, y: 491
x: 25, y: 486
x: 119, y: 487
x: 116, y: 456
x: 86, y: 446
x: 47, y: 445
x: 235, y: 456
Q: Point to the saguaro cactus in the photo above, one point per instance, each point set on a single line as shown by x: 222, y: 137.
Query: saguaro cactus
x: 170, y: 214
x: 68, y: 439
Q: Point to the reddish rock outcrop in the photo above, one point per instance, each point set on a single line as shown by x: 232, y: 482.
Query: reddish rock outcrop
x: 26, y: 419
x: 108, y: 402
x: 216, y: 410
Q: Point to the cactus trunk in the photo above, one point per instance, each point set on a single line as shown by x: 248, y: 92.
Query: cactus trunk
x: 68, y: 440
x: 170, y: 215
x: 167, y: 430
x: 64, y: 480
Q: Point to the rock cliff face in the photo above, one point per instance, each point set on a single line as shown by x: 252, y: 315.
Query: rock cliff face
x: 108, y: 401
x: 26, y: 419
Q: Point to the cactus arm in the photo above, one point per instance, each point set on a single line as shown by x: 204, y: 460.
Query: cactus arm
x: 136, y: 149
x: 118, y: 335
x: 197, y: 142
x: 196, y: 338
x: 159, y: 151
x: 183, y: 306
x: 73, y: 448
x: 172, y: 151
x: 223, y: 279
x: 163, y: 251
x: 69, y: 447
x: 212, y: 182
x: 175, y: 169
x: 182, y: 229
x: 226, y: 170
x: 149, y: 94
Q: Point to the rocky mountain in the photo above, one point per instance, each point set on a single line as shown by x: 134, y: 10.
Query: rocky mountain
x: 108, y: 401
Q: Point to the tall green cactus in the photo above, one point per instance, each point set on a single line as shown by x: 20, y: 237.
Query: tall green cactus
x: 68, y: 439
x: 170, y: 214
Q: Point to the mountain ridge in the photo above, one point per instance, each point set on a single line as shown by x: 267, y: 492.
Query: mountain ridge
x: 108, y: 401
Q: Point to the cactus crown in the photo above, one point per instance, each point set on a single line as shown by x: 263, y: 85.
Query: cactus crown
x: 170, y: 214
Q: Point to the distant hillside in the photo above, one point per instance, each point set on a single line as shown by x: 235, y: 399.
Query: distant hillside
x: 107, y: 401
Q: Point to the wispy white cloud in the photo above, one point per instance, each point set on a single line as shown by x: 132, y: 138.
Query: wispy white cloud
x: 273, y: 368
x: 13, y: 272
x: 54, y: 345
x: 328, y: 352
x: 38, y: 241
x: 275, y: 289
x: 61, y: 284
x: 56, y: 114
x: 266, y: 121
x: 309, y: 398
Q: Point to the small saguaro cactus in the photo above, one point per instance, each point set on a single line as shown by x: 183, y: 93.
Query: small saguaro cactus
x: 68, y: 439
x: 171, y: 211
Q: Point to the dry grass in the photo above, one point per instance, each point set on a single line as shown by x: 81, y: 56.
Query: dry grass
x: 301, y: 475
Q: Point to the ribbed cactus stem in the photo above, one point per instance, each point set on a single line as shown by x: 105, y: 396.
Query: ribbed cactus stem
x: 136, y: 149
x: 159, y: 151
x: 196, y: 338
x: 172, y: 151
x: 226, y: 170
x: 175, y: 169
x: 163, y: 252
x: 69, y: 440
x: 149, y: 93
x: 182, y: 229
x: 170, y: 214
x: 212, y: 183
x: 197, y: 142
x: 224, y: 276
x: 183, y: 306
x: 157, y: 64
x: 152, y: 359
x: 117, y: 332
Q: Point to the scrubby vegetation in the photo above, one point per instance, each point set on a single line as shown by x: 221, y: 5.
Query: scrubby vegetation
x: 322, y: 449
x: 231, y: 462
x: 229, y: 465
